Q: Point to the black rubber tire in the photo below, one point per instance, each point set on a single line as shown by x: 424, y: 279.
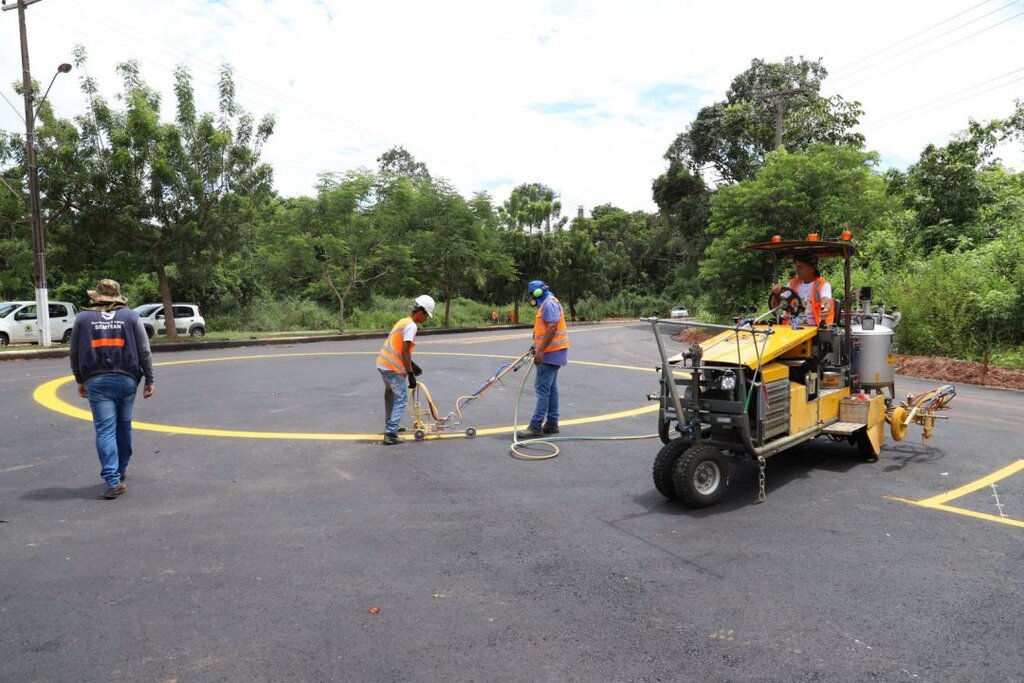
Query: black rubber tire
x: 66, y: 339
x: 470, y: 432
x: 419, y: 435
x: 197, y: 331
x: 4, y: 341
x: 663, y: 464
x: 150, y: 331
x: 701, y: 476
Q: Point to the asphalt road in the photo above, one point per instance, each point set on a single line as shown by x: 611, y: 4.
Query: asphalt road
x: 233, y: 558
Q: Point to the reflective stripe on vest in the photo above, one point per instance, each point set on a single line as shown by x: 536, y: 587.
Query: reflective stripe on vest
x: 560, y: 340
x: 390, y: 355
x: 815, y: 302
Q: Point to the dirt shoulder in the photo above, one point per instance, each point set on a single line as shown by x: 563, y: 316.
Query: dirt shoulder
x: 927, y: 367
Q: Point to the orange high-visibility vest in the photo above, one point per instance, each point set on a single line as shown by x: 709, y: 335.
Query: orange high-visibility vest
x: 560, y: 340
x: 390, y: 355
x: 815, y: 302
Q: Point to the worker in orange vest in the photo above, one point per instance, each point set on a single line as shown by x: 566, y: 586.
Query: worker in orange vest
x: 394, y: 361
x: 550, y: 353
x: 814, y: 291
x: 494, y: 317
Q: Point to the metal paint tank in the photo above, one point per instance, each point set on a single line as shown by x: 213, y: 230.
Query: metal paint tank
x: 872, y: 330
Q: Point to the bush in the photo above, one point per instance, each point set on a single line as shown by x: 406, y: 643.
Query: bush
x: 625, y: 305
x: 268, y: 314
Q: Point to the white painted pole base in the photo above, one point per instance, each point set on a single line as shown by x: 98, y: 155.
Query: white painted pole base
x: 43, y: 317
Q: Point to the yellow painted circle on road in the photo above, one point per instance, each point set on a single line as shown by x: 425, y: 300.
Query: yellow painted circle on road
x: 46, y: 395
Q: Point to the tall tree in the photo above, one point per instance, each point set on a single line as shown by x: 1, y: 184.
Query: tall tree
x: 734, y: 135
x: 455, y: 248
x: 532, y: 207
x: 944, y: 190
x: 825, y: 190
x: 398, y: 161
x: 169, y: 197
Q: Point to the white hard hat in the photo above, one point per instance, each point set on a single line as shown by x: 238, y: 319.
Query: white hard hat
x: 425, y: 302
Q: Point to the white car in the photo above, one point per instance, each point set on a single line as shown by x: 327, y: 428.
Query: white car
x: 679, y: 312
x: 187, y: 319
x: 18, y: 322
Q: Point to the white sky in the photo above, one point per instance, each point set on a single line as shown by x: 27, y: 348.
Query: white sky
x: 582, y: 96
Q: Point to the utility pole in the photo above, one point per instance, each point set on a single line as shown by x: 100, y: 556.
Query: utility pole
x: 38, y: 238
x: 780, y: 109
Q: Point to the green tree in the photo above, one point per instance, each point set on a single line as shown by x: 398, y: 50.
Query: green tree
x: 453, y: 244
x: 943, y: 189
x: 734, y: 135
x: 532, y: 207
x: 171, y: 198
x: 825, y: 190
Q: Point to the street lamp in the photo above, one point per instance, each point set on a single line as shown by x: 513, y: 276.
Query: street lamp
x: 38, y: 237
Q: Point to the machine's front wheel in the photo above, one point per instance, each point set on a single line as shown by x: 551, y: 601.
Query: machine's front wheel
x: 701, y: 476
x: 470, y: 432
x: 419, y: 435
x: 663, y: 464
x: 896, y: 420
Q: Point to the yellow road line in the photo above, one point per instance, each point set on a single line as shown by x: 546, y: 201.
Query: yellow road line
x: 939, y: 502
x: 973, y: 486
x: 46, y: 395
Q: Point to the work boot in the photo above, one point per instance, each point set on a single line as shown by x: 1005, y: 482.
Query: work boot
x: 115, y: 491
x: 550, y: 427
x: 531, y: 432
x: 391, y: 439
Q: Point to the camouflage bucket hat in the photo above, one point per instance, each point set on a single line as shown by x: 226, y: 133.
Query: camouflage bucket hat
x: 107, y: 292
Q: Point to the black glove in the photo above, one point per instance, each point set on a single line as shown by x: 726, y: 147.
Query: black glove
x: 412, y: 381
x: 416, y: 370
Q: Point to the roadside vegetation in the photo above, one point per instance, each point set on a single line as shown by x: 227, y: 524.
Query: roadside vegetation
x: 179, y: 203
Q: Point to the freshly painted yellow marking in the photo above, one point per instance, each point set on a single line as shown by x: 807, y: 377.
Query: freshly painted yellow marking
x: 939, y: 502
x: 46, y: 395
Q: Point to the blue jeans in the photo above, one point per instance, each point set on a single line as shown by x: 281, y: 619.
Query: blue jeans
x: 545, y: 384
x: 396, y: 397
x: 111, y: 398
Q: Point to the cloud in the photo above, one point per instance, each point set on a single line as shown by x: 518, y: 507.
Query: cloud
x: 582, y: 96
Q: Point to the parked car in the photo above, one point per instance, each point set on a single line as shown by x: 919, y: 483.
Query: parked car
x: 18, y: 322
x: 678, y: 312
x: 187, y: 319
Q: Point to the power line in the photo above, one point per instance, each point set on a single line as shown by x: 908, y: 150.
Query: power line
x: 911, y: 37
x: 939, y: 99
x: 962, y: 99
x: 933, y: 38
x: 372, y: 136
x: 940, y: 49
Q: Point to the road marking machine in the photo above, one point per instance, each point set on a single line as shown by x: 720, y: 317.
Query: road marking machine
x: 768, y: 384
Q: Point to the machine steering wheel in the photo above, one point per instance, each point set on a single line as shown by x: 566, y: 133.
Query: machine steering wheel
x: 788, y: 301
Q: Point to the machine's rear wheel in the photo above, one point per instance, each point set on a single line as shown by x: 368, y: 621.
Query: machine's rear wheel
x: 663, y: 463
x: 470, y: 432
x: 419, y: 435
x: 701, y: 476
